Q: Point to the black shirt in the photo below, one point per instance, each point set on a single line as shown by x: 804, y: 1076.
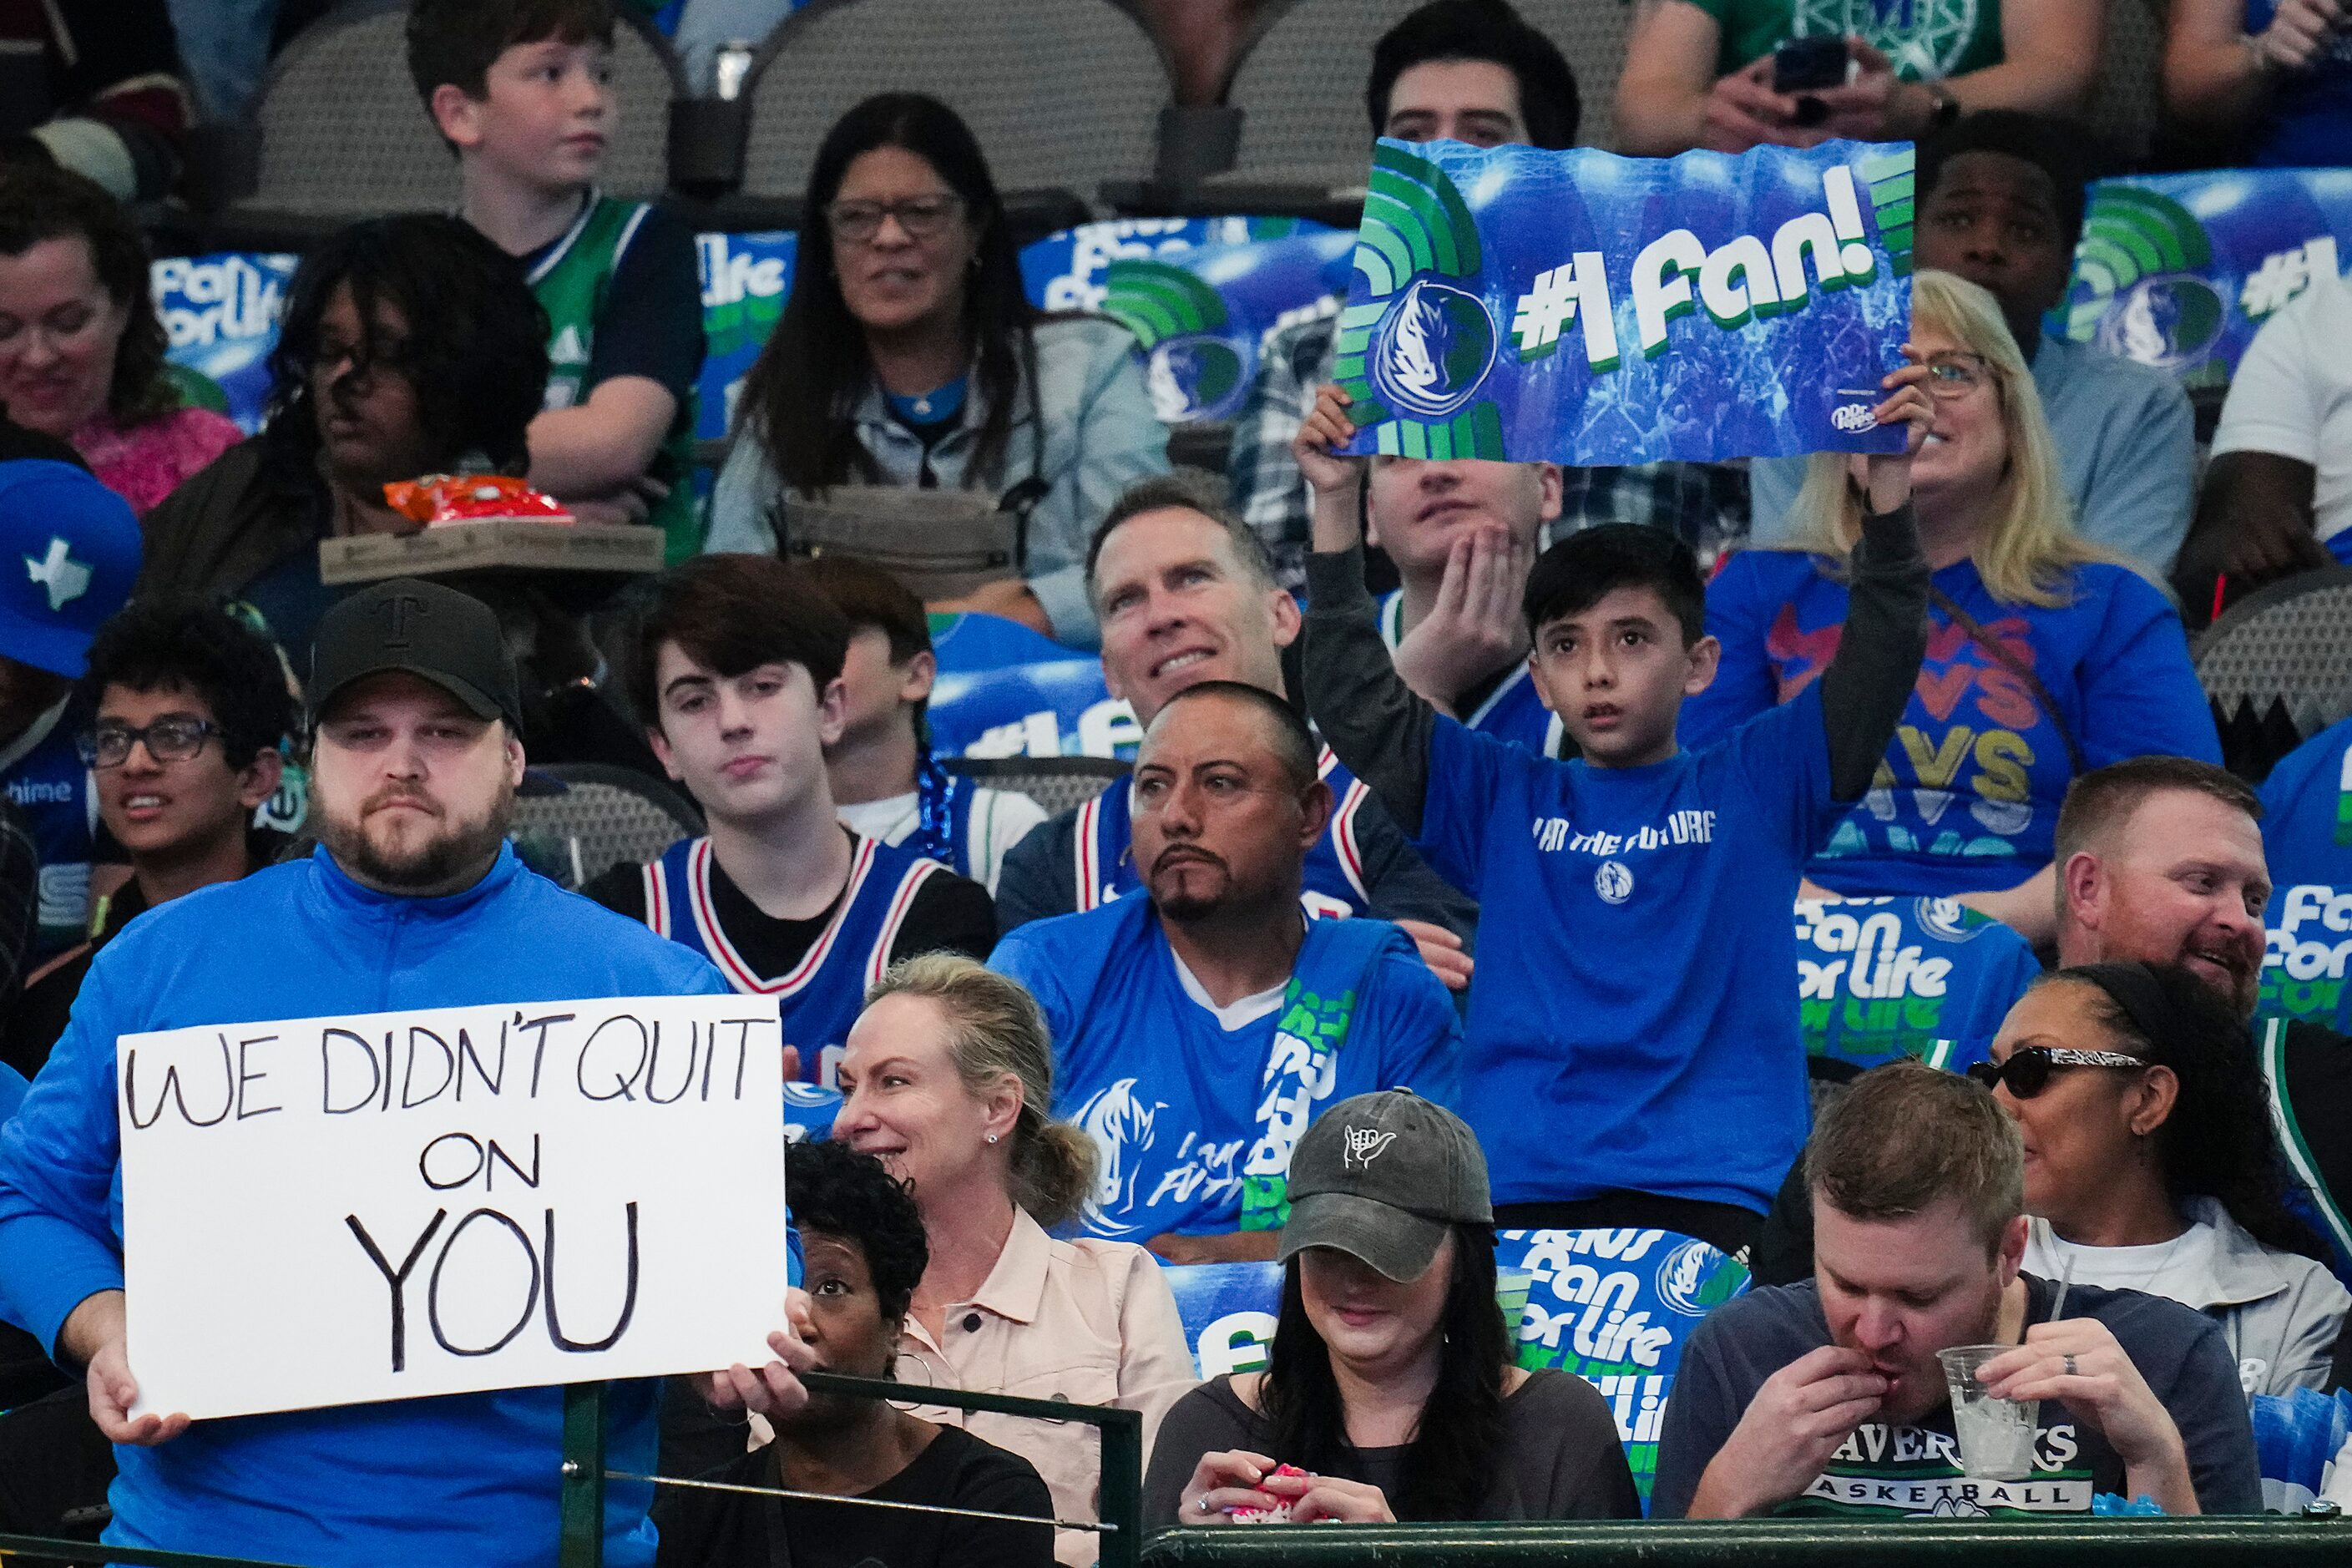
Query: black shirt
x: 1560, y: 1457
x: 950, y: 915
x: 736, y: 1529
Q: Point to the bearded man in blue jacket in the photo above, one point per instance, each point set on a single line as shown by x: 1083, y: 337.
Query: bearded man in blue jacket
x: 414, y: 900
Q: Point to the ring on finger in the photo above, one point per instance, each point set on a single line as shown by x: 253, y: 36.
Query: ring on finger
x: 2070, y: 1366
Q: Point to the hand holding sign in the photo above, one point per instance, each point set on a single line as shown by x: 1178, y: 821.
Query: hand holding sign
x: 1887, y: 475
x: 1336, y: 479
x: 93, y: 1335
x: 394, y: 1206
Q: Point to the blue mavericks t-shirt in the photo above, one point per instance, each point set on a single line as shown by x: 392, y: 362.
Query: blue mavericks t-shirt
x: 48, y: 782
x: 1632, y: 1025
x: 1880, y: 979
x: 1187, y: 1114
x: 1966, y: 799
x: 1513, y: 712
x: 2308, y: 839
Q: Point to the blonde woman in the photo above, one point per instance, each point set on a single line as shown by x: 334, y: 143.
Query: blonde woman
x: 2046, y: 658
x: 946, y: 1077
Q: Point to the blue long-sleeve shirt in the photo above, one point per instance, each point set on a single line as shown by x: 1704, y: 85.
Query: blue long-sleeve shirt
x: 468, y: 1478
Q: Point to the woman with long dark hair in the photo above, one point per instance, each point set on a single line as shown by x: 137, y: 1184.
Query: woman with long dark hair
x: 910, y: 355
x: 2151, y: 1163
x: 1390, y: 1392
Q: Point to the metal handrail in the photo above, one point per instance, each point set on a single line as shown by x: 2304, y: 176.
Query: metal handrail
x: 1121, y: 1529
x: 2253, y: 1541
x: 43, y: 1548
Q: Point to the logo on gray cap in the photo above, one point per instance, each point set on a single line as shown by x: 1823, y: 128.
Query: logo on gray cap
x: 1364, y: 1145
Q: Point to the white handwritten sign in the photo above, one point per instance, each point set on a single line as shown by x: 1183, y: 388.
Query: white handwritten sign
x: 389, y: 1205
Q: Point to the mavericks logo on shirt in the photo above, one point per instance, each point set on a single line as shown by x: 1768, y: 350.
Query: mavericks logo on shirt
x: 1910, y: 1471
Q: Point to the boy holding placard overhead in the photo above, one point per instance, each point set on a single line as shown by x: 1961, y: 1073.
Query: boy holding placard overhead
x: 1632, y: 1056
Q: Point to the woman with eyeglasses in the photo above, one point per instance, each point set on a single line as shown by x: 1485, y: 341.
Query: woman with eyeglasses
x: 410, y: 345
x: 2151, y: 1162
x: 2046, y: 658
x: 908, y: 356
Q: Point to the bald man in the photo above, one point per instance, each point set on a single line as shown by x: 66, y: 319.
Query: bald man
x: 1198, y: 1028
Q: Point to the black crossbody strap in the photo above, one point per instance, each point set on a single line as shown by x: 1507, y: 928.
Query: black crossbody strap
x: 2016, y: 667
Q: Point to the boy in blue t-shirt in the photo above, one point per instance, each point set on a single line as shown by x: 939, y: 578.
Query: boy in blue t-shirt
x: 1199, y: 1025
x: 1632, y: 1056
x: 522, y: 91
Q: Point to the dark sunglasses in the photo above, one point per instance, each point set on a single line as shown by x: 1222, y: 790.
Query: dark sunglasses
x: 2027, y: 1072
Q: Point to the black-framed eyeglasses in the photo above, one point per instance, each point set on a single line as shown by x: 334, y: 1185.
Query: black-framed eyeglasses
x: 2027, y: 1071
x: 172, y: 739
x: 1957, y: 373
x: 923, y: 218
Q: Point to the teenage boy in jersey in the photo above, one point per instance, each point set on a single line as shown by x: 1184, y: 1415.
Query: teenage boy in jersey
x: 1198, y: 1026
x: 69, y: 552
x: 1463, y: 535
x: 1185, y: 593
x: 413, y: 900
x: 734, y: 667
x: 185, y: 710
x: 520, y: 90
x: 1827, y: 1397
x: 1632, y: 1053
x: 886, y: 783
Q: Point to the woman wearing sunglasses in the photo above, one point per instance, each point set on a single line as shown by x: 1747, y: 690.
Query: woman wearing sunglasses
x: 2046, y: 658
x: 2150, y: 1163
x: 908, y: 356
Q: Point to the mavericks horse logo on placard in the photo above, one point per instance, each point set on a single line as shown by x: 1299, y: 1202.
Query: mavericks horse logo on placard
x: 1431, y: 350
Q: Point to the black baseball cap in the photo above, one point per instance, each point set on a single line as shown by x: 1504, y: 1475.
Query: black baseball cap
x: 1381, y: 1177
x: 424, y: 629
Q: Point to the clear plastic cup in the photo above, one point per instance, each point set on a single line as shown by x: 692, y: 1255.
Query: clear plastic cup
x: 1995, y: 1436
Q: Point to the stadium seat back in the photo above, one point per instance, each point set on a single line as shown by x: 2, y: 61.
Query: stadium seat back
x: 1063, y: 94
x: 1300, y: 81
x: 2274, y: 667
x: 606, y: 817
x: 2125, y: 100
x: 1056, y: 783
x: 344, y: 136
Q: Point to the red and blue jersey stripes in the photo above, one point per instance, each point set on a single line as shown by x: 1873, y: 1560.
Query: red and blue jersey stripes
x: 821, y: 995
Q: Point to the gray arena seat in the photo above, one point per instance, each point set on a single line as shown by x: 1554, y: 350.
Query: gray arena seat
x: 2126, y: 96
x: 342, y: 136
x: 2274, y: 667
x: 1056, y: 783
x: 603, y: 818
x: 1300, y: 81
x: 1063, y: 94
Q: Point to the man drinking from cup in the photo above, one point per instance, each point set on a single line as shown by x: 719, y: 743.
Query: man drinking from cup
x: 1831, y: 1397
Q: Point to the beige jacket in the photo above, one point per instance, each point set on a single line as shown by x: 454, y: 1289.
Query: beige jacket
x: 1088, y: 1321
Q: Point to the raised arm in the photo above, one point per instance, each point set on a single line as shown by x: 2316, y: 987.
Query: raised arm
x: 1868, y: 684
x: 1369, y: 716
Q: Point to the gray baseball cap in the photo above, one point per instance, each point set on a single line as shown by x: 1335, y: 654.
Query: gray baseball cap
x: 1380, y: 1177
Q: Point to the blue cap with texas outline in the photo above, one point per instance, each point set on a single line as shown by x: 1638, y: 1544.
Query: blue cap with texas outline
x: 68, y: 555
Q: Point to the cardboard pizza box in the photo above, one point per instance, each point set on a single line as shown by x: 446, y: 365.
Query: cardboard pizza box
x: 501, y: 543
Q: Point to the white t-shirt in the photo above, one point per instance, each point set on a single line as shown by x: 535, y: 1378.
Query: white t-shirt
x: 2176, y: 1269
x: 2293, y: 396
x: 1000, y: 819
